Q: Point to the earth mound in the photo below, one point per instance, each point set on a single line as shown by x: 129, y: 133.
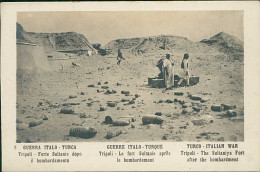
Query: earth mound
x: 228, y: 44
x: 63, y: 42
x: 147, y: 44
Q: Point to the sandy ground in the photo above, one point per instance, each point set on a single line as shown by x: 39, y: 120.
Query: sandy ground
x: 221, y: 81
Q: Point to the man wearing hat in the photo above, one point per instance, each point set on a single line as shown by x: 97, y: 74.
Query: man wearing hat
x: 168, y: 72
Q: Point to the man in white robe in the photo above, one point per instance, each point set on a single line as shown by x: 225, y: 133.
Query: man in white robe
x: 168, y: 72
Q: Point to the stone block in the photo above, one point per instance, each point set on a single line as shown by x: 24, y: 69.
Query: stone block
x: 228, y: 107
x: 217, y: 108
x: 67, y: 110
x: 156, y: 83
x: 121, y: 123
x: 110, y: 134
x: 152, y: 119
x: 81, y: 132
x: 35, y: 123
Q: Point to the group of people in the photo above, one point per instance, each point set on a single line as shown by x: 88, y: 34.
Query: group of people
x: 166, y: 66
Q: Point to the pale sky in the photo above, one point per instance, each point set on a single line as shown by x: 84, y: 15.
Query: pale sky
x: 103, y: 27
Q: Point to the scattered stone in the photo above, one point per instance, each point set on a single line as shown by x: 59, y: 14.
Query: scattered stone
x: 99, y: 83
x: 184, y: 111
x: 35, y: 123
x: 137, y: 95
x: 45, y: 117
x: 83, y: 115
x: 228, y: 107
x: 70, y: 104
x: 181, y: 102
x: 184, y: 106
x: 164, y: 137
x: 81, y: 132
x: 217, y: 108
x: 131, y: 102
x: 21, y: 126
x: 199, y: 122
x: 178, y: 93
x: 169, y: 101
x: 168, y: 115
x: 28, y: 141
x: 91, y: 85
x: 221, y: 139
x: 125, y: 100
x: 106, y: 82
x: 231, y: 113
x: 125, y: 92
x: 196, y: 109
x: 121, y: 123
x: 89, y: 104
x: 104, y: 87
x: 102, y: 108
x: 183, y: 127
x: 203, y: 100
x: 18, y: 121
x: 160, y: 101
x: 111, y: 104
x: 75, y: 64
x: 152, y: 119
x: 67, y: 110
x: 72, y: 96
x: 82, y: 93
x: 195, y: 97
x: 110, y: 134
x: 158, y: 113
x: 108, y: 120
x: 108, y: 92
x: 129, y: 118
x: 195, y: 104
x: 208, y: 135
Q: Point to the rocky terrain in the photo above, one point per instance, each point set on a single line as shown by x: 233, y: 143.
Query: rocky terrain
x: 55, y: 106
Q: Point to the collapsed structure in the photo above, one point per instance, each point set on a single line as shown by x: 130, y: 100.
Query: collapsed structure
x: 31, y: 59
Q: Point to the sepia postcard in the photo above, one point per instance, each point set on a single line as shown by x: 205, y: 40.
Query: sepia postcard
x: 139, y: 86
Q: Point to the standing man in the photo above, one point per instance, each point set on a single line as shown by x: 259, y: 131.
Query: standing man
x: 168, y: 72
x: 119, y: 57
x: 185, y: 74
x: 160, y: 67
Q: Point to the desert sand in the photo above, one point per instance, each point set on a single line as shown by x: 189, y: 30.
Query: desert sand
x: 85, y: 89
